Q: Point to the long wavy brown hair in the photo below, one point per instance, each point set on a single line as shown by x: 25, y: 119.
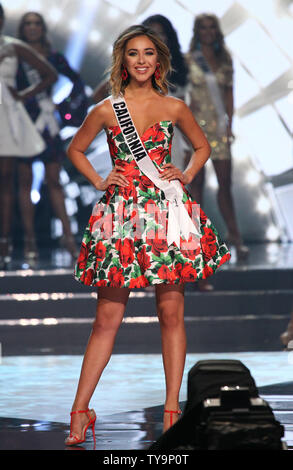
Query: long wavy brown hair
x: 116, y: 83
x: 220, y: 50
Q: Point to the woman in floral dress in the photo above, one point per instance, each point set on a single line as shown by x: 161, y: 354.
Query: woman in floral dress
x: 124, y: 245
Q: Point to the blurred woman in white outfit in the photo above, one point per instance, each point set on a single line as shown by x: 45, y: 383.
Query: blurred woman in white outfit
x: 18, y: 135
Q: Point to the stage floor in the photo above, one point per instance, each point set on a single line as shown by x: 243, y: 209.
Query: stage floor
x: 45, y: 320
x: 37, y: 392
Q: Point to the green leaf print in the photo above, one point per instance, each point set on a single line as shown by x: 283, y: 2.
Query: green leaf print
x: 136, y: 272
x: 166, y: 259
x: 222, y: 250
x: 151, y: 225
x: 179, y: 258
x: 87, y: 236
x: 123, y: 148
x: 197, y: 262
x: 162, y: 259
x: 116, y: 262
x: 107, y: 261
x: 184, y: 198
x: 120, y: 138
x: 144, y: 195
x: 149, y: 145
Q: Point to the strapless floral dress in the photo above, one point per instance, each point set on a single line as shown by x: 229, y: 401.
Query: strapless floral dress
x: 124, y: 243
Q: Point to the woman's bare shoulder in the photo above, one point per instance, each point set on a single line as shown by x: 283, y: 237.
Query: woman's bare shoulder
x: 176, y: 106
x: 103, y: 110
x: 174, y: 101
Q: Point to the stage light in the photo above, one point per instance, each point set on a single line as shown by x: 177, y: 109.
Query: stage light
x: 263, y: 205
x: 272, y: 233
x: 113, y: 13
x: 63, y: 89
x: 55, y: 14
x: 212, y: 181
x: 38, y: 169
x: 74, y: 25
x: 50, y: 321
x: 95, y: 36
x: 35, y: 196
x: 273, y: 249
x: 223, y: 412
x: 88, y: 195
x: 71, y: 206
x: 252, y: 177
x: 64, y: 177
x: 74, y: 225
x: 56, y: 228
x: 72, y: 190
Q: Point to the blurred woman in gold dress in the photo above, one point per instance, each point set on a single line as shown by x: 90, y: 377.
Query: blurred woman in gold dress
x: 210, y: 97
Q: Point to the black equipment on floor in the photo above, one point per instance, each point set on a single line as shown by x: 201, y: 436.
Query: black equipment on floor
x: 223, y: 411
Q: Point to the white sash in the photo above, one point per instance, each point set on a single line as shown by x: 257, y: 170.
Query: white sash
x: 179, y: 221
x: 46, y: 117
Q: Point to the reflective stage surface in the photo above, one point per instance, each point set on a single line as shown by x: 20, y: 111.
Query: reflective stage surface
x: 46, y: 317
x: 37, y: 392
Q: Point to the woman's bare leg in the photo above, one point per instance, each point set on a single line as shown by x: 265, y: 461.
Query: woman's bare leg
x: 223, y: 169
x: 196, y: 187
x: 109, y: 314
x: 7, y: 190
x: 25, y: 178
x: 58, y: 203
x: 170, y: 309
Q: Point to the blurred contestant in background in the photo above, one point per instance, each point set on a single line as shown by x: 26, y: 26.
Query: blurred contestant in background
x: 177, y: 79
x: 33, y: 30
x: 210, y: 97
x: 18, y: 134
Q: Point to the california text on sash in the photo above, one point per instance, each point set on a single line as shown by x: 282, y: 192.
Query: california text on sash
x: 128, y: 130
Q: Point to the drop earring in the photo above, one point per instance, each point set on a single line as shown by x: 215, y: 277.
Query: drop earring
x: 124, y: 73
x: 157, y: 72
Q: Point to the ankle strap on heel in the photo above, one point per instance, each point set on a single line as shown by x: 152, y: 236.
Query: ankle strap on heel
x: 79, y: 411
x: 178, y: 412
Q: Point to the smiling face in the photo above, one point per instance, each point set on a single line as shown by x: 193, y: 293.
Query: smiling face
x: 32, y: 28
x: 140, y: 58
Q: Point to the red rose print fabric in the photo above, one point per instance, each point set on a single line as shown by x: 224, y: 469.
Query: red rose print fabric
x: 125, y: 243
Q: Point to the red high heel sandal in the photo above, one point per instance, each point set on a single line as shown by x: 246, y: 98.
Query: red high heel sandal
x: 171, y: 414
x: 73, y: 439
